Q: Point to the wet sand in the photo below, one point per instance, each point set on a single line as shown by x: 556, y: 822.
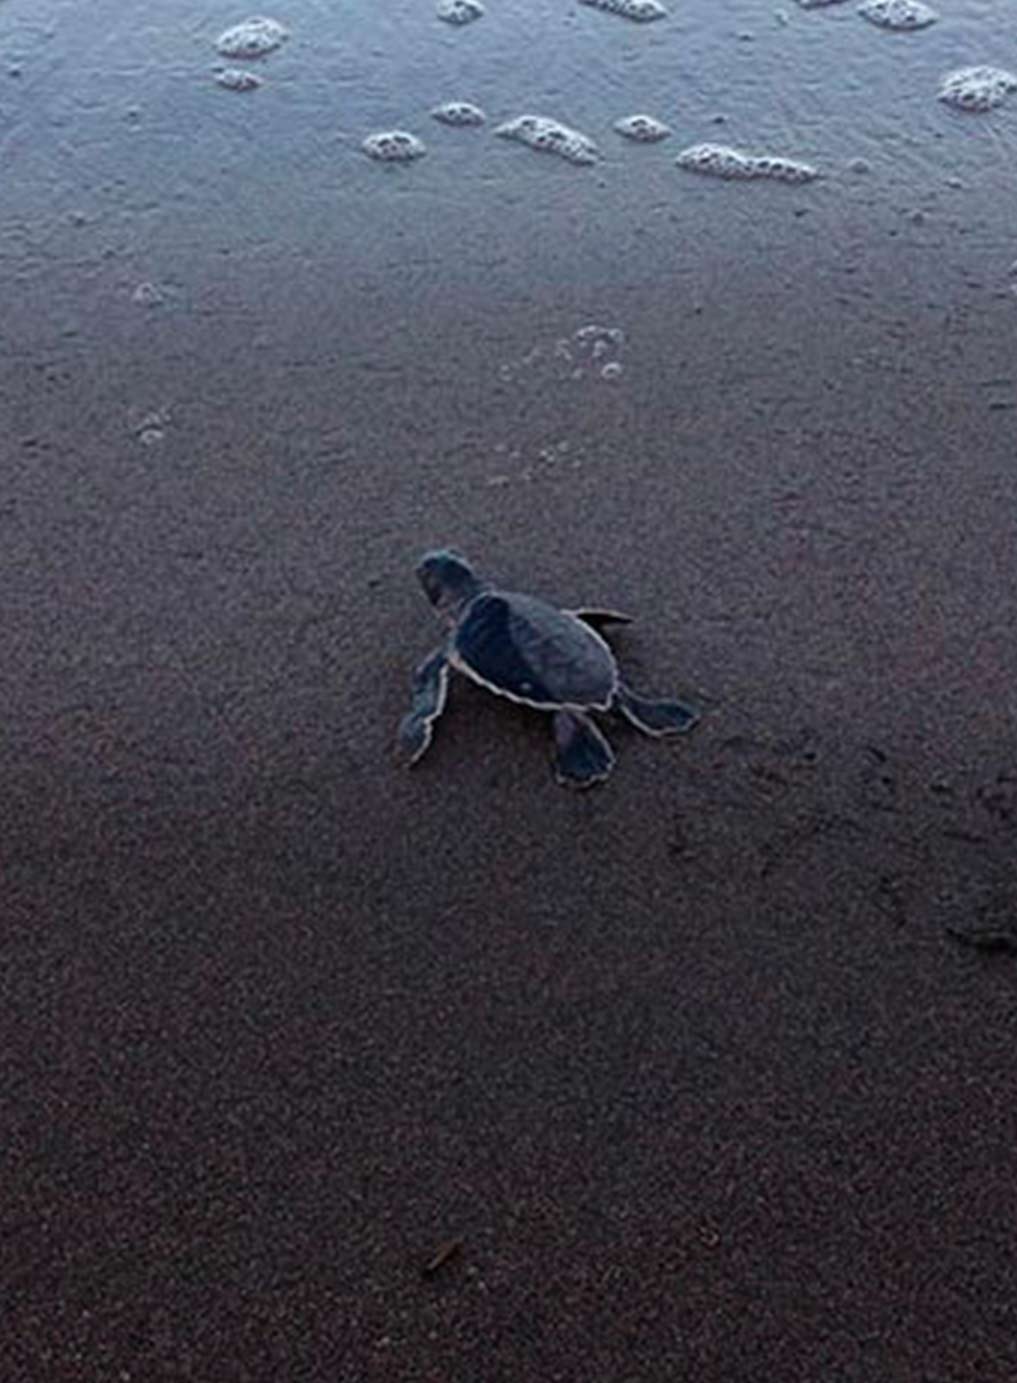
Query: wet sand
x: 691, y: 1064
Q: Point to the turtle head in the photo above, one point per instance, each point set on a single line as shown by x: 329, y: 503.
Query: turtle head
x: 448, y: 581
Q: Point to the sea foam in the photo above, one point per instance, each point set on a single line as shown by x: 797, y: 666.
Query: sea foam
x: 723, y: 162
x: 458, y: 113
x: 644, y: 129
x: 898, y: 14
x: 460, y: 11
x: 393, y: 146
x: 549, y: 136
x: 642, y: 11
x: 977, y: 88
x: 252, y: 39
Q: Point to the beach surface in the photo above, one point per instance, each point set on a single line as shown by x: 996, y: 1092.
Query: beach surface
x: 694, y: 1076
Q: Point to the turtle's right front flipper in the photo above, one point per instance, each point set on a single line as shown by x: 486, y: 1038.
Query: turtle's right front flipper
x: 599, y: 619
x: 430, y: 686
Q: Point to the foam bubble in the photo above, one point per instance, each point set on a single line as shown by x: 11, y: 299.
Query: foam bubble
x: 252, y: 39
x: 459, y: 11
x: 148, y: 426
x: 458, y: 113
x: 235, y: 79
x: 642, y: 11
x: 598, y: 340
x: 592, y: 348
x: 723, y: 162
x: 644, y: 129
x: 539, y: 132
x: 148, y: 295
x: 898, y: 14
x: 393, y: 146
x: 977, y: 88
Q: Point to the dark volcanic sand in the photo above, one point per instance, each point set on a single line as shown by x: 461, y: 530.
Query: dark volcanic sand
x: 691, y: 1064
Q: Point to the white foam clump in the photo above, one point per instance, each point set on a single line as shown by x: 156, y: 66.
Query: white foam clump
x: 642, y: 11
x: 977, y: 88
x: 393, y: 146
x: 460, y: 11
x: 898, y: 14
x: 724, y: 162
x: 252, y: 39
x: 539, y: 132
x: 645, y: 129
x: 458, y: 113
x: 236, y: 79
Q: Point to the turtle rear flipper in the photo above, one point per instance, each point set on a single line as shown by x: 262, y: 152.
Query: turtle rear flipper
x: 599, y: 619
x: 429, y: 689
x: 583, y: 756
x: 655, y: 717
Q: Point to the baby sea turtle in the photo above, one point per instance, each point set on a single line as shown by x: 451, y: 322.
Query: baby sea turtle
x: 531, y: 652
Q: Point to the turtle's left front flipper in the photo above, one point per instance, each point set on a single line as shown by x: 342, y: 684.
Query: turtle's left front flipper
x: 655, y: 717
x: 429, y: 689
x: 583, y: 755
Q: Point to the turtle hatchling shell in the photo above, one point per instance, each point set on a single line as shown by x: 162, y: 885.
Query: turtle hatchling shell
x: 526, y: 649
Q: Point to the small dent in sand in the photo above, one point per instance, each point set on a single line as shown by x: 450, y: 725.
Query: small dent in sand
x: 977, y: 88
x: 252, y: 39
x: 721, y: 161
x: 459, y: 113
x: 548, y: 136
x: 898, y: 14
x: 393, y: 146
x: 644, y: 129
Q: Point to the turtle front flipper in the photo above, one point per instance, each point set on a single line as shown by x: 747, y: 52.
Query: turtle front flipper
x: 583, y: 756
x: 430, y: 686
x: 599, y: 619
x: 654, y: 717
